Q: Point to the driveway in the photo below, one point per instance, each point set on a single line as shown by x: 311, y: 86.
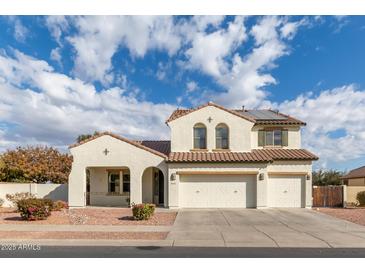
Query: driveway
x: 264, y: 228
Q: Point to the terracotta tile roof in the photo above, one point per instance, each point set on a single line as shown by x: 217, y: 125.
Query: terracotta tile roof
x: 356, y: 173
x: 287, y: 120
x: 256, y: 155
x: 138, y: 144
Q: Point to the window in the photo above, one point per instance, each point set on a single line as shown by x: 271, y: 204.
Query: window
x: 126, y: 183
x: 114, y: 182
x: 200, y: 136
x: 273, y: 137
x: 221, y: 137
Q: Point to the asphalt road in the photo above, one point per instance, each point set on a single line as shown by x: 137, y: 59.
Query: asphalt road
x: 180, y: 252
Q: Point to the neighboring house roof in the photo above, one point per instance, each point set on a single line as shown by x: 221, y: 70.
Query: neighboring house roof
x: 355, y: 173
x: 256, y: 155
x: 160, y: 146
x: 140, y: 144
x: 259, y: 117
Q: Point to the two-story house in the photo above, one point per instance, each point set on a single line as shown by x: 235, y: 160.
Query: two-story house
x: 217, y: 158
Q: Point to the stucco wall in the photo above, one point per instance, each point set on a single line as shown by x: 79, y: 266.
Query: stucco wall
x: 50, y: 191
x: 147, y: 186
x: 356, y: 182
x: 121, y: 154
x: 182, y: 129
x: 351, y: 192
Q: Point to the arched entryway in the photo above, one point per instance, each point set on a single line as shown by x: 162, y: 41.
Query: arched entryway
x: 153, y: 186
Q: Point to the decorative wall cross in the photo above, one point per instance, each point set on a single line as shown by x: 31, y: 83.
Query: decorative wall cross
x: 210, y: 119
x: 106, y: 151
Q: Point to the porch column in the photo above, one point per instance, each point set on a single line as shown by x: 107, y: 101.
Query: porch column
x: 77, y: 186
x: 136, y: 186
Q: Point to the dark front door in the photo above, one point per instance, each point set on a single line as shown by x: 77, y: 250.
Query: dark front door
x: 161, y: 189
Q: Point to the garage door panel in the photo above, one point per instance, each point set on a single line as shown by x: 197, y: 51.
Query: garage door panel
x: 218, y: 191
x: 286, y: 191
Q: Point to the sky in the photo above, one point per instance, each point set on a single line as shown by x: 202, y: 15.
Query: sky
x: 65, y: 76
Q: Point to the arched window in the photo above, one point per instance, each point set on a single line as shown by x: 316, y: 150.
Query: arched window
x: 222, y: 136
x: 200, y: 136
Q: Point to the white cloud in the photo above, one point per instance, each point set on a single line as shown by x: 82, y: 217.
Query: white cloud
x: 57, y: 25
x: 98, y: 38
x: 46, y: 107
x: 56, y: 55
x: 20, y: 31
x: 191, y: 86
x: 339, y: 109
x: 208, y: 50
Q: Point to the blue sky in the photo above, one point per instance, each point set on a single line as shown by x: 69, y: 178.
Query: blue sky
x: 64, y: 76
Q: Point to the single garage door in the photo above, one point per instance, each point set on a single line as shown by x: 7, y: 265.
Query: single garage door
x: 286, y: 191
x: 217, y: 191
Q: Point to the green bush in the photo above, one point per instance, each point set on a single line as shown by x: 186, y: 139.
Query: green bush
x: 360, y: 197
x: 33, y: 209
x: 59, y: 205
x: 143, y: 211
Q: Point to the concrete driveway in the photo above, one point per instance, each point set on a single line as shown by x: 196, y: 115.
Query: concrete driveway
x: 264, y: 228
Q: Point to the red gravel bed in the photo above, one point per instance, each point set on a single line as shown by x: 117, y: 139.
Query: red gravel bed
x: 355, y: 215
x: 83, y: 235
x: 90, y: 216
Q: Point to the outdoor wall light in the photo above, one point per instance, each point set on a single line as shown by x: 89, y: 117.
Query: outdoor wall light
x: 173, y: 176
x: 261, y: 176
x: 308, y: 177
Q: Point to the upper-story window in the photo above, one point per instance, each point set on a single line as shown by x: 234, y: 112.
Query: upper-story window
x: 222, y: 136
x: 273, y: 137
x: 200, y: 136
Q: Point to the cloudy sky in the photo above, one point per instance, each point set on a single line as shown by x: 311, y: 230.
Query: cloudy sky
x: 64, y: 76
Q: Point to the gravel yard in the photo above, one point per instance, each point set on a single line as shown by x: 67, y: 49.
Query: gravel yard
x: 90, y: 216
x: 355, y: 215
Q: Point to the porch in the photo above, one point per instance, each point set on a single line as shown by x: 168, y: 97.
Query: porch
x: 111, y: 187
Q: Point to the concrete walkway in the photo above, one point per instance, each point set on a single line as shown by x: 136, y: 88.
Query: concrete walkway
x: 298, y: 228
x: 264, y: 228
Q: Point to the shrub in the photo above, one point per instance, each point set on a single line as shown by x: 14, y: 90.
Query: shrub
x: 1, y: 202
x: 14, y: 198
x: 143, y: 211
x: 360, y: 197
x: 59, y: 205
x: 33, y: 209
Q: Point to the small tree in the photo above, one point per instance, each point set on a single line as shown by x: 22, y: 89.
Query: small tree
x: 327, y: 177
x: 83, y: 137
x: 35, y: 164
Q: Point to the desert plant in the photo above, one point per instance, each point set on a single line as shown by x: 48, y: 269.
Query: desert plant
x: 360, y: 197
x: 143, y: 211
x: 1, y: 202
x: 33, y: 209
x: 327, y: 177
x: 14, y: 198
x: 59, y: 205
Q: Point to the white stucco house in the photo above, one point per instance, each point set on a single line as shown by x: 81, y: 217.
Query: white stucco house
x: 216, y: 158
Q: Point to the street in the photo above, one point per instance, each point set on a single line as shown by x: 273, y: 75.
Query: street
x: 181, y: 252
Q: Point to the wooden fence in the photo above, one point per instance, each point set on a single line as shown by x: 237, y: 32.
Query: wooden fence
x: 328, y: 196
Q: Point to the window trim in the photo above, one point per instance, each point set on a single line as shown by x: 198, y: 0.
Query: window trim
x: 265, y: 130
x: 222, y: 125
x: 196, y: 126
x: 110, y: 173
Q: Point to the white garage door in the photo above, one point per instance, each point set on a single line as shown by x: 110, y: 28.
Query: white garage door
x: 217, y: 191
x: 286, y: 191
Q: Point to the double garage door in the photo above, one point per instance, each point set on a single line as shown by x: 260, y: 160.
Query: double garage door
x: 239, y: 191
x: 217, y: 191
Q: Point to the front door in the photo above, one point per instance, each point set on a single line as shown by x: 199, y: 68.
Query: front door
x: 158, y: 188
